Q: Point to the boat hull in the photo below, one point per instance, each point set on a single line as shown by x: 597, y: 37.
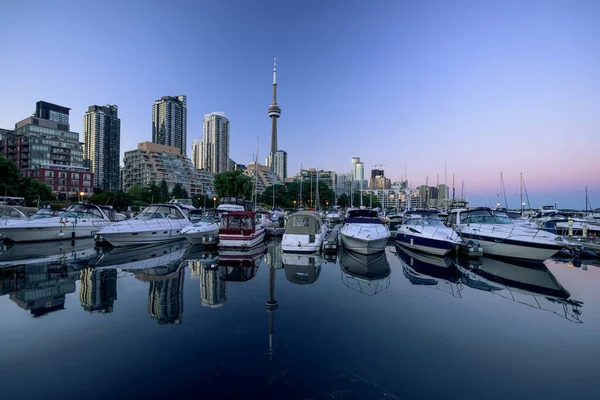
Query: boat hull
x: 202, y: 235
x: 364, y: 246
x: 512, y: 248
x: 242, y: 241
x: 140, y: 238
x: 301, y: 243
x: 40, y: 232
x: 437, y: 247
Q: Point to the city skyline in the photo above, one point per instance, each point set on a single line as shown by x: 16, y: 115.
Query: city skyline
x: 479, y: 88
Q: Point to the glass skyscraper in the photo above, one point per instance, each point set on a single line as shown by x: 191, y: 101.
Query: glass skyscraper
x: 102, y: 145
x: 169, y: 122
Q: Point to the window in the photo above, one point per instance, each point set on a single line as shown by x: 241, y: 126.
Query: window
x: 74, y: 176
x: 50, y: 173
x: 87, y: 177
x: 62, y: 174
x: 49, y: 181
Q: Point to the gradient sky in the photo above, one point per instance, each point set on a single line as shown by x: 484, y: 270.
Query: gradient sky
x: 511, y: 86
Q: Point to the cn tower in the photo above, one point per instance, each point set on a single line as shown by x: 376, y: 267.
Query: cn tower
x: 274, y: 110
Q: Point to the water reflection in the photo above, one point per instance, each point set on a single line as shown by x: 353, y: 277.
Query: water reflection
x: 38, y: 288
x: 63, y: 252
x: 141, y: 257
x: 438, y: 273
x: 530, y: 284
x: 98, y: 289
x: 240, y: 265
x: 367, y: 274
x: 204, y: 265
x: 165, y: 295
x: 302, y: 269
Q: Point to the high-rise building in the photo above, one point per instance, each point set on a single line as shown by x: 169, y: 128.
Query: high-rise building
x: 266, y: 178
x: 214, y: 148
x: 355, y: 160
x: 169, y: 122
x: 278, y: 164
x: 102, y: 145
x: 52, y: 112
x: 151, y: 163
x: 46, y: 149
x: 197, y: 153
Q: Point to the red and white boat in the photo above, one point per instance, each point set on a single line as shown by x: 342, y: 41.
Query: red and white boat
x: 239, y: 229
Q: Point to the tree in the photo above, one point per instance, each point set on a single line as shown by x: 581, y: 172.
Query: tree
x: 33, y: 190
x: 280, y: 194
x: 233, y: 183
x: 344, y: 200
x: 179, y: 192
x: 139, y: 193
x: 10, y: 177
x: 153, y: 194
x: 163, y: 190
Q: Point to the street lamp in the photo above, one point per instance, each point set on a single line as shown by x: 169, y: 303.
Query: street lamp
x: 214, y: 201
x: 81, y: 194
x: 294, y: 204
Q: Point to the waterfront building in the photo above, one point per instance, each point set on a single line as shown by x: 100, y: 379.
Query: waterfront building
x: 98, y: 289
x: 388, y: 198
x: 378, y: 180
x: 266, y: 177
x: 213, y: 150
x: 169, y: 122
x: 43, y: 147
x: 102, y: 145
x: 151, y: 163
x: 278, y: 164
x: 344, y: 183
x: 197, y: 153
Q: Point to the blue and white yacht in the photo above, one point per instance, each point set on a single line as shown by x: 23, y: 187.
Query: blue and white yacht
x: 424, y: 231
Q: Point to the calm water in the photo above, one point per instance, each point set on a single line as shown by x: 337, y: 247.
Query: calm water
x: 179, y: 321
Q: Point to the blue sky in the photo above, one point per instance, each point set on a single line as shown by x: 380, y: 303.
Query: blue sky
x: 511, y: 86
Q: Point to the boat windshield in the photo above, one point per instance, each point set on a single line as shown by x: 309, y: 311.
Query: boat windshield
x: 46, y: 213
x: 428, y: 220
x: 9, y: 212
x: 82, y: 211
x: 160, y: 211
x: 484, y: 217
x: 364, y: 216
x: 236, y: 222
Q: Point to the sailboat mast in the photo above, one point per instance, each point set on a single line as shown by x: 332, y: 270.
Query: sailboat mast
x: 256, y: 174
x: 522, y: 204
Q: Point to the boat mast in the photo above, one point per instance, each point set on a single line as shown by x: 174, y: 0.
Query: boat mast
x: 301, y: 179
x: 522, y: 204
x: 317, y: 200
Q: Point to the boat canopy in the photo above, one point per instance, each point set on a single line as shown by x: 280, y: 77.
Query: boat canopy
x: 422, y: 218
x: 82, y: 210
x: 364, y: 216
x: 303, y: 223
x: 238, y: 220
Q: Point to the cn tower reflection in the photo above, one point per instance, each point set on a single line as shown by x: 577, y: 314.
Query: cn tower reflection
x: 273, y: 261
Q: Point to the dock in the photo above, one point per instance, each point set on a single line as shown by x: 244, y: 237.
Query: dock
x: 331, y: 241
x: 584, y: 244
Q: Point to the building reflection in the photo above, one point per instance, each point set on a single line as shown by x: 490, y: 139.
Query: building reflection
x: 205, y: 267
x: 271, y: 306
x: 367, y: 274
x: 165, y: 295
x: 98, y: 289
x: 38, y: 288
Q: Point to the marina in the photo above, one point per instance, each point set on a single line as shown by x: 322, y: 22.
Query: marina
x: 265, y: 319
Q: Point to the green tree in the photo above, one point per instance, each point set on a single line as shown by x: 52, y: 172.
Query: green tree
x: 101, y: 199
x: 279, y: 192
x: 233, y: 183
x: 33, y: 190
x: 163, y: 190
x: 153, y: 194
x: 179, y: 192
x: 344, y: 200
x: 139, y: 193
x: 10, y: 177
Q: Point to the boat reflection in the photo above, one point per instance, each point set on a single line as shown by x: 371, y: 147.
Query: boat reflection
x: 302, y: 269
x: 237, y: 265
x: 527, y: 283
x: 62, y: 252
x: 144, y: 257
x: 38, y: 288
x: 204, y: 265
x: 431, y: 271
x: 274, y: 254
x: 367, y: 274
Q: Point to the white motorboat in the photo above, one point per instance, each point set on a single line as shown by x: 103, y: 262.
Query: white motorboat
x: 333, y: 216
x: 498, y: 236
x: 78, y: 221
x: 157, y: 223
x: 10, y: 214
x: 204, y: 231
x: 302, y: 269
x: 230, y: 203
x: 363, y: 232
x: 304, y: 233
x: 240, y: 229
x: 424, y: 231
